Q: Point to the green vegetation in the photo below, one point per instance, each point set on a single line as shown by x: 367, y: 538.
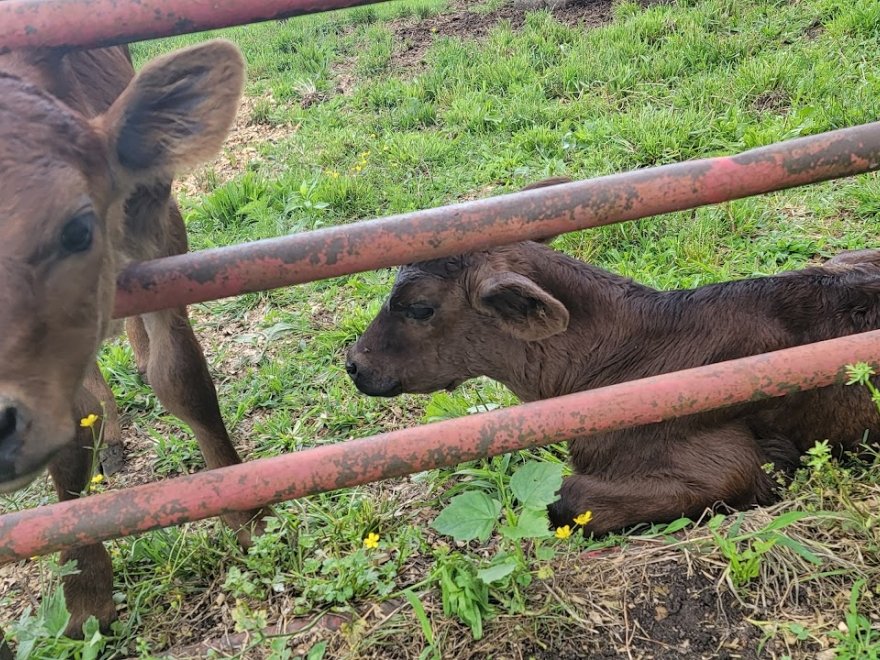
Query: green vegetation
x: 344, y: 123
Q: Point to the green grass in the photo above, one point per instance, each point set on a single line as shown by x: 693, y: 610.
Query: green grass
x: 677, y: 81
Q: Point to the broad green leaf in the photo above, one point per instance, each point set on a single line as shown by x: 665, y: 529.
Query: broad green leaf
x: 419, y: 610
x: 791, y: 517
x: 317, y: 651
x: 55, y: 613
x: 496, y: 572
x: 799, y: 548
x: 536, y: 484
x: 532, y: 524
x: 468, y: 516
x: 545, y: 552
x: 677, y: 525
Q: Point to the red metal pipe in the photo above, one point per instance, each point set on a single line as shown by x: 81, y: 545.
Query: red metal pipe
x: 341, y: 250
x: 267, y: 481
x: 37, y: 23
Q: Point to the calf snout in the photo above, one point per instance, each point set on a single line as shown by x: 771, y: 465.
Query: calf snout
x: 367, y: 378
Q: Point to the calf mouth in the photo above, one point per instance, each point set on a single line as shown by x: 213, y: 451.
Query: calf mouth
x: 386, y: 391
x: 18, y: 482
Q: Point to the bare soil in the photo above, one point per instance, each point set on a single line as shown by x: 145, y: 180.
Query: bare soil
x: 415, y: 36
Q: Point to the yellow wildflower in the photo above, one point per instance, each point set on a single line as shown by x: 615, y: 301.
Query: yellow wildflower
x: 98, y: 478
x: 563, y: 532
x: 333, y: 174
x: 584, y: 518
x: 358, y: 168
x: 88, y: 422
x: 372, y: 540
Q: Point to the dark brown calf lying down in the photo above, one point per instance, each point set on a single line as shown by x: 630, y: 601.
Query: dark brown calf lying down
x: 545, y: 325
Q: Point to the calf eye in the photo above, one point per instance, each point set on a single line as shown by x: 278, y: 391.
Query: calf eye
x: 418, y: 312
x: 76, y: 235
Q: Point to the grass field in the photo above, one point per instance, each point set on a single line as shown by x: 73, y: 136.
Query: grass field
x: 418, y: 103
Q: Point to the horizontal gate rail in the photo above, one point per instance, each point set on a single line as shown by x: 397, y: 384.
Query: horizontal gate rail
x: 344, y: 249
x: 37, y: 23
x: 250, y: 485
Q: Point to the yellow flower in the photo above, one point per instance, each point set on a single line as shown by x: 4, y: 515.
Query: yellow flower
x: 98, y: 478
x: 563, y: 532
x: 88, y: 422
x: 333, y: 174
x: 373, y: 135
x: 358, y: 168
x: 584, y: 518
x: 372, y: 540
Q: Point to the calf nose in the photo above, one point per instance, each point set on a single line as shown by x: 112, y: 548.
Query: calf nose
x: 10, y: 436
x: 8, y: 422
x: 351, y: 368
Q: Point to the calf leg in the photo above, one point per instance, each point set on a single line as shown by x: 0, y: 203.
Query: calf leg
x: 864, y: 256
x: 140, y: 344
x: 721, y: 465
x: 90, y: 591
x: 178, y: 373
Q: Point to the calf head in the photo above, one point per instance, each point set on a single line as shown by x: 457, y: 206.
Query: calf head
x: 65, y: 181
x: 448, y: 320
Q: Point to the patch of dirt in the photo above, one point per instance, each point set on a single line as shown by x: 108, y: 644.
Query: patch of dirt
x: 774, y: 101
x: 239, y: 149
x: 413, y: 36
x: 814, y: 31
x: 643, y: 602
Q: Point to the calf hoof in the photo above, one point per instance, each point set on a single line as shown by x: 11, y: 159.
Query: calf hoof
x: 5, y: 651
x: 106, y: 615
x: 560, y: 514
x: 112, y: 459
x: 247, y: 525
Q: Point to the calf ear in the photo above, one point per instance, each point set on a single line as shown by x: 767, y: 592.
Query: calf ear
x: 525, y: 309
x: 178, y: 110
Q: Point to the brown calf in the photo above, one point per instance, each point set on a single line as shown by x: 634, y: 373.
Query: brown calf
x: 87, y: 156
x: 545, y: 325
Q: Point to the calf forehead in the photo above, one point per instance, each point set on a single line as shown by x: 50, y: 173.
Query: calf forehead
x: 49, y: 156
x: 37, y: 129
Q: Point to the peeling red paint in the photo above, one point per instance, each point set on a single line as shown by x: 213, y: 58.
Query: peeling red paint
x: 38, y: 23
x: 250, y: 485
x: 428, y: 234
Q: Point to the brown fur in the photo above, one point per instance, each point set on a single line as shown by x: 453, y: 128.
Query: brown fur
x: 86, y: 143
x: 546, y: 325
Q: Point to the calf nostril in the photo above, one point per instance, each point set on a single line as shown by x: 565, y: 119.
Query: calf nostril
x: 8, y: 422
x: 351, y: 368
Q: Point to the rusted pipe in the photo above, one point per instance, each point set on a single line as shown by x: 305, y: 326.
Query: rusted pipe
x: 36, y: 23
x: 250, y: 485
x: 341, y: 250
